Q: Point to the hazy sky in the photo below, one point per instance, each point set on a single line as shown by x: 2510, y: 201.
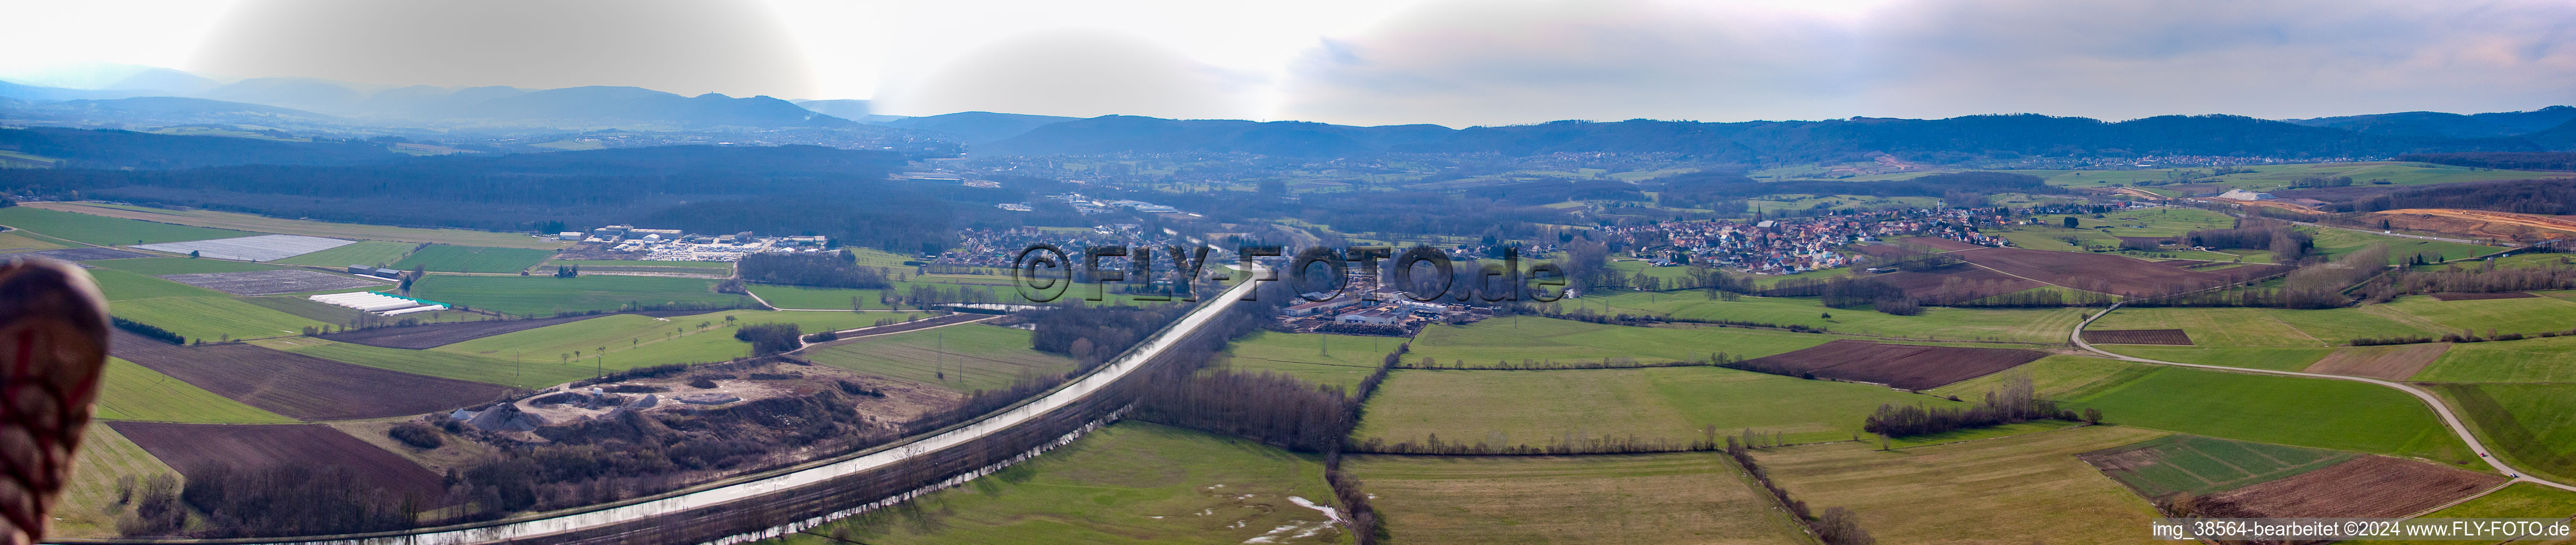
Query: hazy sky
x: 1455, y: 63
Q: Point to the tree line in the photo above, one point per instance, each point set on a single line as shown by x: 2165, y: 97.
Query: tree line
x: 824, y: 269
x: 147, y: 330
x: 2541, y: 160
x: 2017, y: 403
x: 1837, y: 526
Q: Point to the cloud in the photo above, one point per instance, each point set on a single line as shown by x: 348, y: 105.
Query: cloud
x: 1079, y: 74
x: 1528, y: 61
x: 681, y: 46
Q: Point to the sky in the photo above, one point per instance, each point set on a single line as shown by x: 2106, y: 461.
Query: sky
x: 1377, y: 62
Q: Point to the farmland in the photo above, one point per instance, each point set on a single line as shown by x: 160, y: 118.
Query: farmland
x: 2516, y: 500
x: 299, y: 386
x: 251, y: 248
x: 1650, y: 498
x: 2333, y: 414
x: 1977, y: 492
x: 82, y: 253
x: 2105, y: 273
x: 2269, y: 327
x: 197, y: 448
x: 2337, y: 242
x: 374, y: 253
x: 2256, y: 357
x: 2530, y: 425
x: 105, y: 231
x: 2137, y: 336
x: 652, y: 340
x: 2380, y: 362
x: 436, y: 335
x: 2204, y: 465
x: 1321, y: 359
x: 472, y: 259
x: 1961, y: 324
x: 132, y: 392
x: 22, y: 240
x: 265, y: 224
x: 530, y: 373
x: 2523, y: 315
x: 89, y: 502
x: 1131, y: 482
x: 1514, y: 338
x: 536, y: 295
x: 1903, y: 366
x: 274, y: 282
x: 814, y: 298
x: 2366, y: 487
x: 2550, y: 359
x: 121, y: 286
x: 964, y: 358
x: 212, y: 318
x: 157, y: 266
x: 1503, y: 408
x: 2061, y: 376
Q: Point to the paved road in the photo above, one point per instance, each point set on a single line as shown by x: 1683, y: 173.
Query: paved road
x: 2438, y: 407
x: 746, y: 488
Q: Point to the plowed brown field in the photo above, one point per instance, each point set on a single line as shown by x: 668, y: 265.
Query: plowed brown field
x: 2107, y: 273
x: 194, y: 449
x: 2137, y: 336
x: 2380, y: 362
x: 2366, y: 487
x: 1907, y: 366
x: 299, y: 386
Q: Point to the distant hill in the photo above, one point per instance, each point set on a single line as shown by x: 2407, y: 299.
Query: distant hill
x: 977, y: 127
x: 2559, y: 138
x: 2446, y: 125
x: 31, y: 92
x: 114, y: 149
x: 854, y: 110
x: 1929, y: 140
x: 308, y: 94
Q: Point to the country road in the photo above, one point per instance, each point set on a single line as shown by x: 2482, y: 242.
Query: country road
x: 2438, y: 407
x: 748, y: 487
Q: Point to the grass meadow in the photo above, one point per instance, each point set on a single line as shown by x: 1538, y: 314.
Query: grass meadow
x: 1515, y: 338
x: 2531, y: 425
x: 2524, y: 315
x: 123, y: 286
x: 964, y: 358
x: 1975, y: 492
x: 2337, y: 242
x: 472, y: 259
x: 1957, y: 324
x: 27, y: 240
x: 546, y: 295
x: 133, y: 392
x: 1671, y: 403
x: 2271, y: 327
x: 635, y: 340
x: 2550, y: 359
x: 1697, y: 497
x: 2060, y: 376
x: 2308, y: 412
x: 531, y: 372
x: 374, y: 253
x: 2257, y: 357
x: 105, y: 231
x: 1322, y: 359
x: 89, y: 505
x: 1129, y: 483
x: 212, y: 318
x: 157, y: 266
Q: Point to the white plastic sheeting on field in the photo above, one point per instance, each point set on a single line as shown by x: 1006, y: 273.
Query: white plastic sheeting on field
x: 376, y: 302
x: 258, y: 248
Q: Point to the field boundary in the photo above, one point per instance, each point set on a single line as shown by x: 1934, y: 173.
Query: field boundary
x: 2449, y: 417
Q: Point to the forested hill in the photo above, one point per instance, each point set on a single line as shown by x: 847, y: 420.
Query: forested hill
x: 775, y: 190
x: 1927, y: 140
x: 114, y: 149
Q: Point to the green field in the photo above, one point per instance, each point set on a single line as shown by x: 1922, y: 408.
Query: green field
x: 2525, y: 315
x: 2531, y: 425
x: 23, y: 240
x: 352, y: 231
x: 122, y: 286
x: 1976, y: 492
x: 212, y: 318
x: 105, y: 231
x: 373, y: 253
x: 1515, y: 338
x: 2337, y: 242
x: 2274, y: 358
x: 708, y: 267
x: 472, y: 259
x: 1131, y: 482
x: 1322, y: 359
x: 531, y: 373
x: 2272, y: 327
x: 964, y: 358
x: 133, y: 392
x: 157, y: 266
x: 2272, y: 177
x: 2207, y: 465
x: 2308, y: 412
x: 2519, y: 500
x: 89, y: 505
x: 1503, y: 408
x: 546, y: 295
x: 1648, y: 498
x: 815, y: 298
x: 1959, y: 324
x: 2550, y: 359
x: 635, y: 340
